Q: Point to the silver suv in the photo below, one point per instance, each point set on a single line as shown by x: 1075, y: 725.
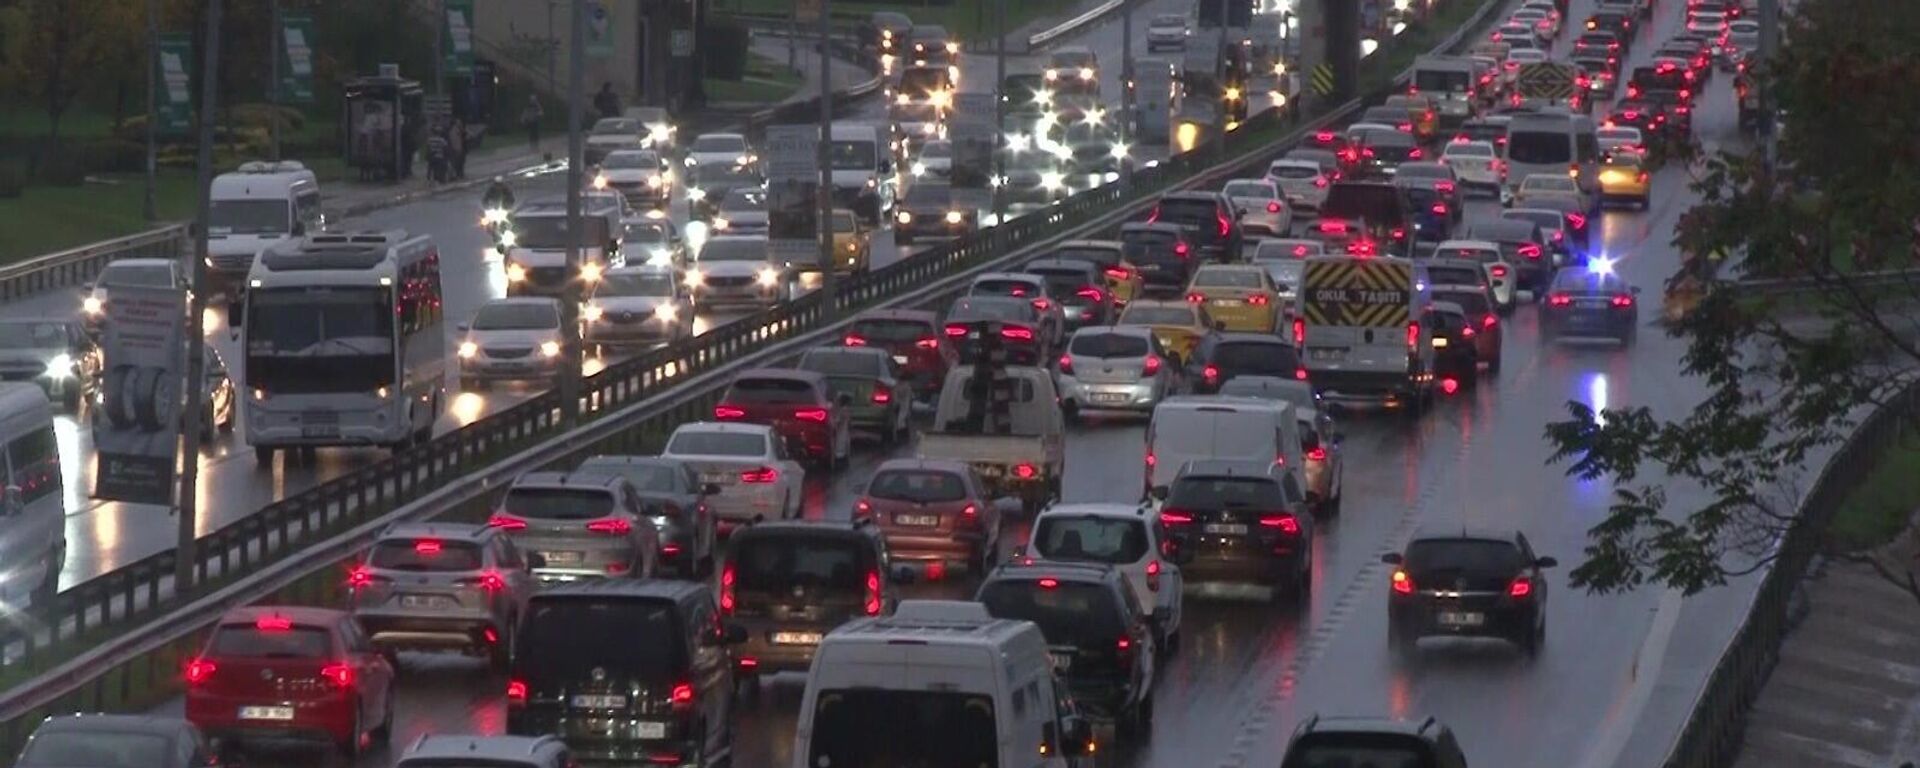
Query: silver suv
x: 582, y: 525
x: 439, y: 751
x: 440, y: 587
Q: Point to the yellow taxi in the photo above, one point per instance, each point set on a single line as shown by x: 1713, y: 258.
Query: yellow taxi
x: 1179, y: 325
x: 852, y: 243
x: 1241, y: 297
x: 1624, y: 177
x: 1123, y: 280
x: 1422, y: 113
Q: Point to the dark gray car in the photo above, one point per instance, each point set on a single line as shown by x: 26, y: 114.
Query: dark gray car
x: 672, y: 494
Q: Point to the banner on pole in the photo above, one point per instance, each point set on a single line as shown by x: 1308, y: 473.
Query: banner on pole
x: 456, y: 39
x: 793, y: 188
x: 973, y: 135
x: 173, y: 85
x: 137, y: 436
x: 599, y: 30
x: 296, y: 58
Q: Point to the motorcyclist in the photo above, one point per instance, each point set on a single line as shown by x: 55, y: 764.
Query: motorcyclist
x: 498, y: 195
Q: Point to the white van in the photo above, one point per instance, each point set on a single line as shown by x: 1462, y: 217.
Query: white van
x: 1453, y: 84
x: 1551, y: 142
x: 863, y: 165
x: 534, y: 245
x: 937, y: 683
x: 1196, y: 427
x: 33, y: 544
x: 253, y: 208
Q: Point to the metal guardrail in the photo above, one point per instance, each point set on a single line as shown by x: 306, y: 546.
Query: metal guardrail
x: 1712, y: 735
x: 1788, y: 286
x: 75, y: 267
x: 272, y: 552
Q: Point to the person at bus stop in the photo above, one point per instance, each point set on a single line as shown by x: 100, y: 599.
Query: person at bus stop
x: 530, y: 117
x: 457, y: 147
x: 606, y: 101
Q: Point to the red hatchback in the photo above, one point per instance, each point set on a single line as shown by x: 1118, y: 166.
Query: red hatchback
x: 795, y: 403
x: 921, y: 353
x: 309, y: 674
x: 934, y: 513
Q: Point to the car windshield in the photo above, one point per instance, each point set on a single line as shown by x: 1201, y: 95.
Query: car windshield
x: 1288, y: 249
x: 1372, y: 202
x: 1248, y: 188
x: 248, y: 217
x: 616, y: 125
x: 1095, y: 538
x: 1348, y: 750
x: 1285, y: 272
x: 517, y: 316
x: 1225, y: 493
x: 781, y: 562
x: 1158, y: 316
x: 652, y: 232
x: 844, y: 362
x: 1540, y: 182
x: 425, y: 555
x: 264, y: 639
x: 719, y: 144
x: 152, y: 276
x: 1539, y: 147
x: 559, y: 503
x: 1227, y: 278
x: 1067, y: 612
x: 646, y: 478
x: 843, y: 223
x: 1548, y: 220
x: 643, y: 159
x: 1005, y: 309
x: 1169, y: 20
x: 1583, y: 281
x: 1468, y: 555
x: 95, y: 748
x: 33, y: 335
x: 549, y: 232
x: 1186, y: 210
x: 1473, y: 303
x: 707, y: 443
x: 891, y: 330
x: 1005, y: 287
x: 745, y: 200
x: 772, y: 391
x: 1293, y: 171
x: 1109, y: 345
x: 1099, y: 257
x: 898, y: 727
x: 1423, y: 171
x: 850, y: 155
x: 1075, y: 59
x: 1257, y: 356
x: 568, y: 640
x: 924, y: 486
x: 930, y: 194
x: 746, y: 249
x: 1475, y: 253
x: 657, y: 284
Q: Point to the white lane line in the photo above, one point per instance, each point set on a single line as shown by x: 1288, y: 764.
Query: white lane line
x: 1605, y: 749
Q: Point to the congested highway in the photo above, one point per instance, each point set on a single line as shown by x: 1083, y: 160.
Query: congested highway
x: 1246, y: 673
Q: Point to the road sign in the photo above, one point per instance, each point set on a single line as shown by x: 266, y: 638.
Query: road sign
x: 1323, y: 79
x: 437, y: 106
x: 599, y: 30
x: 1546, y: 80
x: 456, y: 39
x: 806, y: 11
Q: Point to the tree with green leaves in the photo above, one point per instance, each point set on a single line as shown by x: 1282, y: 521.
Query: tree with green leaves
x: 1789, y: 373
x: 56, y: 50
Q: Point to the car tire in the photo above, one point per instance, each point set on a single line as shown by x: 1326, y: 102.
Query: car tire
x: 1493, y: 366
x: 1646, y: 202
x: 353, y: 746
x: 1401, y: 641
x: 383, y: 733
x: 501, y: 654
x: 263, y: 456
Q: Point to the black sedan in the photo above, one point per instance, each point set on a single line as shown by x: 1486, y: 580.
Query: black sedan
x: 55, y: 354
x: 1590, y: 303
x: 67, y: 741
x: 929, y: 211
x: 1460, y: 582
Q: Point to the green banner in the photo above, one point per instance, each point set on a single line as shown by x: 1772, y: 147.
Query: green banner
x: 599, y: 30
x: 456, y: 39
x: 173, y: 85
x: 296, y: 58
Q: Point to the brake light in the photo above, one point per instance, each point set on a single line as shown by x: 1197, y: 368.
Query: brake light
x: 1017, y: 334
x: 359, y: 577
x: 1124, y: 648
x: 729, y: 412
x: 1439, y: 209
x: 1212, y: 373
x: 1405, y: 127
x: 273, y: 624
x: 1443, y: 187
x: 1578, y: 221
x: 1402, y: 583
x: 1226, y: 224
x: 1049, y: 583
x: 1042, y: 304
x: 970, y: 512
x: 1520, y: 588
x: 1151, y: 367
x: 956, y: 331
x: 200, y: 671
x: 492, y: 582
x: 1399, y: 233
x: 1090, y: 293
x: 1152, y: 460
x: 683, y: 696
x: 1559, y: 235
x: 816, y: 415
x: 1066, y: 364
x: 727, y: 578
x: 1623, y: 300
x: 1025, y: 471
x: 1320, y: 181
x: 854, y: 340
x: 1300, y: 373
x: 1467, y: 332
x: 1299, y: 332
x: 760, y: 476
x: 1180, y: 249
x: 506, y: 522
x: 1530, y: 250
x: 516, y: 692
x: 1335, y: 227
x: 1153, y: 215
x: 1257, y: 299
x: 1415, y: 154
x: 1559, y: 300
x: 873, y: 593
x: 1317, y: 454
x: 1301, y: 251
x: 341, y: 675
x: 428, y: 547
x: 1489, y: 321
x: 1287, y: 524
x: 617, y: 526
x: 1498, y: 270
x: 1175, y: 517
x: 1273, y: 206
x: 1196, y: 298
x: 1118, y: 273
x: 1153, y: 577
x: 1324, y: 137
x: 1413, y: 335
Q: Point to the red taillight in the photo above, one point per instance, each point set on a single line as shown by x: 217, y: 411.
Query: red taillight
x: 506, y: 522
x: 1317, y: 454
x: 1180, y: 249
x: 815, y: 415
x: 1153, y: 577
x: 1042, y: 304
x: 727, y: 578
x: 273, y: 624
x: 1066, y: 364
x: 1287, y: 524
x: 1273, y: 206
x: 1559, y: 235
x: 1196, y: 298
x: 1405, y: 127
x: 854, y: 340
x: 1151, y: 366
x: 1300, y: 373
x: 516, y: 692
x: 1489, y: 321
x: 970, y: 512
x: 1124, y: 647
x: 1049, y: 583
x: 492, y: 582
x: 1521, y: 587
x: 724, y: 412
x: 1152, y: 460
x: 928, y: 343
x: 1444, y: 187
x: 1467, y: 332
x: 1623, y: 300
x: 1299, y: 332
x: 873, y: 593
x: 1439, y: 209
x: 1320, y: 181
x: 341, y: 675
x: 956, y: 331
x: 1090, y: 293
x: 1415, y: 153
x: 1498, y: 270
x: 1530, y: 250
x: 1559, y: 300
x: 427, y: 547
x: 1324, y: 137
x: 1578, y: 221
x: 200, y: 671
x: 1257, y: 299
x: 1226, y: 224
x: 1413, y: 335
x: 1335, y: 227
x: 1212, y: 373
x: 1025, y: 471
x: 615, y: 526
x: 1402, y: 583
x: 1118, y: 273
x: 1301, y: 251
x: 1175, y: 517
x: 760, y: 476
x: 683, y: 696
x: 359, y: 577
x: 1399, y: 233
x: 1017, y: 334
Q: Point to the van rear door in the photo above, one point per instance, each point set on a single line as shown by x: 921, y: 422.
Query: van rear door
x: 1357, y: 314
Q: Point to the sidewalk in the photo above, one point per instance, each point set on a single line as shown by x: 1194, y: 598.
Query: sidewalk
x: 1846, y: 690
x: 506, y: 153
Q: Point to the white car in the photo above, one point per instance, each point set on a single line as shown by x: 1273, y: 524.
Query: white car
x: 145, y: 273
x: 1743, y: 37
x: 637, y: 305
x: 1262, y: 211
x: 1477, y: 164
x: 639, y: 175
x: 936, y: 159
x: 1124, y: 536
x: 1545, y: 26
x: 1501, y: 275
x: 749, y: 463
x: 1619, y: 138
x: 612, y: 135
x: 722, y: 153
x: 742, y: 212
x: 1542, y: 185
x: 511, y: 339
x: 658, y: 124
x: 1303, y: 182
x: 738, y: 269
x: 1167, y: 30
x: 1709, y: 23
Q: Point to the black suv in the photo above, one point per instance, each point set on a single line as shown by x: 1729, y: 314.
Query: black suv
x: 1209, y: 219
x: 1221, y: 356
x: 790, y: 583
x: 626, y: 670
x: 1238, y: 521
x: 1364, y: 218
x: 1472, y: 583
x: 1321, y: 742
x: 1455, y: 359
x: 1096, y: 629
x: 1164, y: 253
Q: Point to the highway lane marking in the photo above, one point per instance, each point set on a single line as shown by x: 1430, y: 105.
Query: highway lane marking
x: 1606, y: 748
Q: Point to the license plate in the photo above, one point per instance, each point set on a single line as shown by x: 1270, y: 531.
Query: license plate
x: 1595, y: 303
x: 1062, y: 661
x: 561, y: 558
x: 1234, y: 529
x: 429, y: 602
x: 1461, y: 619
x: 320, y: 431
x: 796, y: 638
x: 1150, y: 267
x: 266, y: 713
x: 1227, y: 302
x: 900, y: 359
x: 923, y: 520
x: 599, y: 701
x: 1327, y: 354
x: 717, y: 478
x: 650, y: 730
x: 1109, y: 397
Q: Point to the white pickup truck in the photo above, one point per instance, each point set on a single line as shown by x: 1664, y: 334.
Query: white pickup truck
x: 1018, y: 444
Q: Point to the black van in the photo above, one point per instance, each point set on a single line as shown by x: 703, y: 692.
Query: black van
x: 787, y: 584
x: 626, y: 670
x: 1364, y: 218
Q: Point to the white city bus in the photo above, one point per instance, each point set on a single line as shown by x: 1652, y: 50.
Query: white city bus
x: 342, y: 343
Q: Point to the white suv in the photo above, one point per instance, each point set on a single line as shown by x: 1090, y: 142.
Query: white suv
x: 1120, y: 535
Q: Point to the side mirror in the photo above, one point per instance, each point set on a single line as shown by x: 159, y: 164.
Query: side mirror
x: 1545, y: 562
x: 733, y: 634
x: 1392, y: 558
x: 903, y: 575
x: 536, y: 560
x: 710, y: 489
x: 1158, y: 493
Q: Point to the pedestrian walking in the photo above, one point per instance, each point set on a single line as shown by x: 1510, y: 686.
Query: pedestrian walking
x: 530, y: 117
x: 607, y: 101
x: 457, y: 146
x: 437, y: 154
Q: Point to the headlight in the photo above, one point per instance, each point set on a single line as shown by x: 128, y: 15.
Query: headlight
x: 743, y: 160
x: 696, y: 194
x: 590, y: 271
x: 954, y: 217
x: 666, y: 313
x: 91, y: 305
x: 901, y: 99
x: 550, y: 348
x: 660, y: 132
x: 493, y: 216
x: 469, y: 349
x: 928, y: 128
x: 691, y: 163
x: 592, y: 312
x: 1053, y: 74
x: 659, y: 257
x: 516, y: 273
x: 508, y: 239
x: 693, y: 277
x: 904, y: 217
x: 60, y: 367
x: 600, y: 181
x: 1052, y: 180
x: 769, y: 277
x: 953, y: 47
x: 655, y: 181
x: 720, y: 224
x: 1086, y: 73
x: 919, y: 169
x: 1119, y: 152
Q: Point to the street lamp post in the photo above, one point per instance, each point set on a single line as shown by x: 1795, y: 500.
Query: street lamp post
x: 1126, y: 91
x: 147, y: 204
x: 570, y: 349
x: 191, y: 417
x: 999, y: 112
x: 273, y: 83
x: 823, y: 151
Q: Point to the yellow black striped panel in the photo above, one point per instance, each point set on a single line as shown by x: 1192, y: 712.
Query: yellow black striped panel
x: 1372, y: 293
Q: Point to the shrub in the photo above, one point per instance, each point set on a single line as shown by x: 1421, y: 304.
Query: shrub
x: 64, y: 170
x: 726, y: 50
x: 12, y: 181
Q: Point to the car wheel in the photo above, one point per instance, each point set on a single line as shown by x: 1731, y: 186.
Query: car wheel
x: 354, y: 745
x: 1646, y: 202
x: 1493, y: 366
x: 263, y: 456
x: 501, y: 653
x: 1400, y: 640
